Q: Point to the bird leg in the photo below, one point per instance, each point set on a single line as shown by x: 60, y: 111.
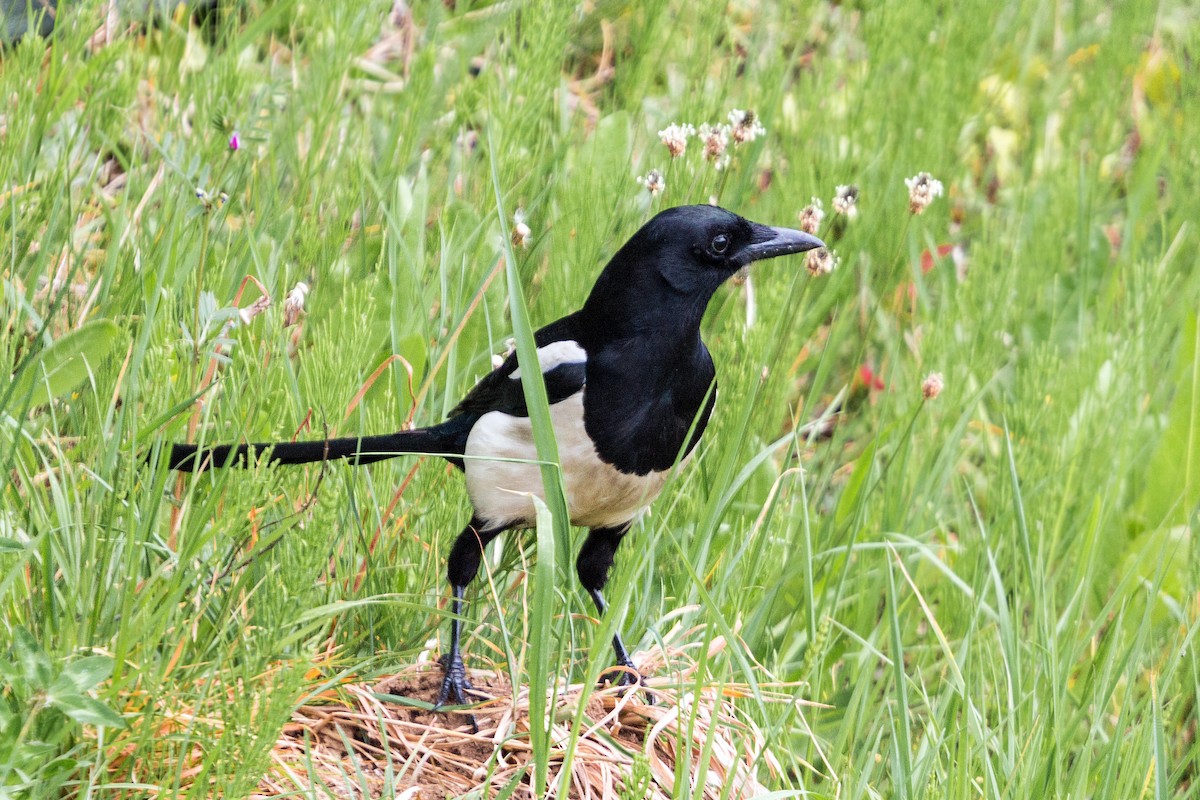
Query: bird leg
x: 455, y: 684
x: 618, y: 677
x: 461, y: 568
x: 595, y: 560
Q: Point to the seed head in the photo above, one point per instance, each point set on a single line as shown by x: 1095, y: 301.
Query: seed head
x: 520, y: 235
x: 820, y: 262
x: 845, y: 201
x: 251, y: 311
x: 745, y: 126
x: 715, y: 139
x: 932, y: 386
x: 654, y: 182
x: 520, y: 230
x: 923, y: 189
x: 811, y: 216
x: 675, y: 137
x: 293, y: 304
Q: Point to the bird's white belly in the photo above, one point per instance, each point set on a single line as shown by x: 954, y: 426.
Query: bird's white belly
x: 598, y: 495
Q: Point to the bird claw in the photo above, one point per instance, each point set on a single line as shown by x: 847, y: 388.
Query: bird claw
x: 455, y: 684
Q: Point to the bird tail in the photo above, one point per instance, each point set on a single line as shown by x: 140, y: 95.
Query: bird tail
x: 359, y: 449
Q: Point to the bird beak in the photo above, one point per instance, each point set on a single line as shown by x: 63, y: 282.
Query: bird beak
x: 769, y: 242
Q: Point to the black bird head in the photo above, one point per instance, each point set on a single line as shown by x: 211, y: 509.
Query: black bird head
x: 674, y: 264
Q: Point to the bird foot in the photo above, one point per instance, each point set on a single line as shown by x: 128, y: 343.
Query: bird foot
x: 455, y: 685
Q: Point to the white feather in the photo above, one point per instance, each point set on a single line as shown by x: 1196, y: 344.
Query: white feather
x: 598, y: 495
x: 554, y: 354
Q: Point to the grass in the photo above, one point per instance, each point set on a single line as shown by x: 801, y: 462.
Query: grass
x: 994, y: 593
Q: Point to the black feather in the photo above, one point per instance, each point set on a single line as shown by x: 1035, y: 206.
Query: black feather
x: 448, y: 439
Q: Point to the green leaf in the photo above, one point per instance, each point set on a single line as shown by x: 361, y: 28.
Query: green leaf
x: 848, y: 503
x: 1173, y: 486
x: 553, y: 520
x: 35, y: 665
x: 535, y: 390
x: 87, y: 673
x: 9, y: 673
x: 604, y: 156
x: 1160, y: 557
x: 66, y: 363
x: 86, y: 710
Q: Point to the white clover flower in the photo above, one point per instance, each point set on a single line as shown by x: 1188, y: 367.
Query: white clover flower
x: 675, y: 137
x: 811, y: 216
x: 745, y: 126
x: 923, y: 189
x: 653, y: 182
x: 845, y: 201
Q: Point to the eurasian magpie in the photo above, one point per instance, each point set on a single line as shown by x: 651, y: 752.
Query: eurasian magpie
x: 630, y: 385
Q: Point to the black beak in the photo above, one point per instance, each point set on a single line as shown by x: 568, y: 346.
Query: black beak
x: 769, y: 242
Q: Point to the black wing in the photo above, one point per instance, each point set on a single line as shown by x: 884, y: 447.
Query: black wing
x: 499, y: 390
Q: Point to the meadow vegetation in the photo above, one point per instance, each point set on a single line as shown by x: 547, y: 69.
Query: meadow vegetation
x: 992, y: 592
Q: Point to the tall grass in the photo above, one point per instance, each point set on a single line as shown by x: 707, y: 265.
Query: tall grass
x: 995, y: 593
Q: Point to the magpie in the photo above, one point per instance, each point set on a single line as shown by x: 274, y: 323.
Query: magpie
x: 631, y: 386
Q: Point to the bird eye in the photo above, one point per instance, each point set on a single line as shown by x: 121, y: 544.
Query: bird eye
x: 720, y: 243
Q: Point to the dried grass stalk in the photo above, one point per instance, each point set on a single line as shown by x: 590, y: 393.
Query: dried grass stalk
x: 364, y: 746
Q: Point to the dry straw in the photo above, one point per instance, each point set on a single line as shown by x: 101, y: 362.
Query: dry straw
x: 361, y: 745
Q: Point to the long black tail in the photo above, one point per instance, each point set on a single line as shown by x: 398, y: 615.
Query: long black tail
x: 359, y: 449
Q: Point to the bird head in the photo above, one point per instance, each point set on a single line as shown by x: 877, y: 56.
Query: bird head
x: 678, y: 259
